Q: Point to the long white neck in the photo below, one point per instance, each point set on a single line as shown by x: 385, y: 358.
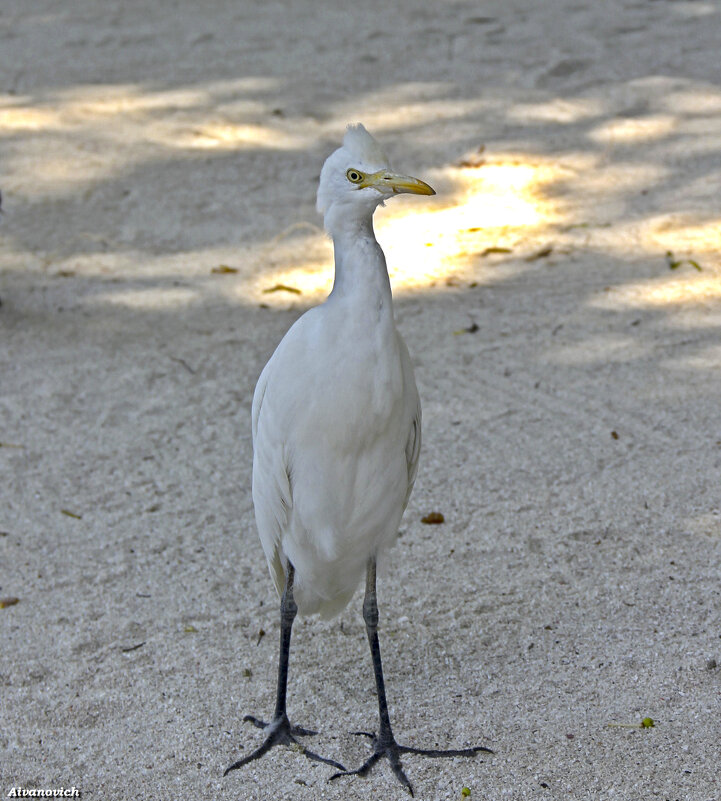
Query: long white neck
x: 360, y: 266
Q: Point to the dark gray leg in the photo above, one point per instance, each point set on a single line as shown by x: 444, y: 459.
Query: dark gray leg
x: 384, y: 743
x: 279, y: 731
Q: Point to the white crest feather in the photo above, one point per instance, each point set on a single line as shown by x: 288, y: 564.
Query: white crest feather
x: 361, y: 145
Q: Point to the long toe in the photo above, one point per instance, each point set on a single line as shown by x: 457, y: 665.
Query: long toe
x: 317, y: 758
x: 397, y: 768
x: 391, y: 753
x: 389, y: 748
x: 362, y: 770
x: 280, y: 732
x: 257, y: 722
x: 299, y: 731
x: 267, y: 745
x: 451, y: 752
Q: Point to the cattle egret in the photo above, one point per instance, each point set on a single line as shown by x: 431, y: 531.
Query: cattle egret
x: 336, y: 434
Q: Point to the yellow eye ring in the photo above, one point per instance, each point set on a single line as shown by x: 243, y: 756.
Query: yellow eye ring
x: 354, y: 176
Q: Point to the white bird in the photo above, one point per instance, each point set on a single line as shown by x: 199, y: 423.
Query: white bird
x: 336, y: 435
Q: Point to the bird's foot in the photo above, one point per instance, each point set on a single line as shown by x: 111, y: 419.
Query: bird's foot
x: 385, y: 745
x: 280, y: 732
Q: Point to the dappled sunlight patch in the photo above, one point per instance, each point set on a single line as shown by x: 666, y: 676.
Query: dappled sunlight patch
x: 633, y: 129
x: 89, y: 133
x: 687, y: 249
x: 295, y: 266
x: 678, y: 233
x: 402, y: 106
x: 686, y: 289
x: 80, y: 106
x: 230, y: 136
x: 83, y: 103
x: 694, y: 100
x: 40, y: 172
x: 55, y: 174
x: 27, y: 118
x: 694, y: 9
x: 389, y: 117
x: 86, y: 108
x: 559, y: 110
x: 612, y: 179
x: 149, y: 298
x: 706, y: 524
x: 489, y: 205
x: 312, y: 281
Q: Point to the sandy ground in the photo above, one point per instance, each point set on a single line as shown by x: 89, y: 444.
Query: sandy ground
x: 569, y: 370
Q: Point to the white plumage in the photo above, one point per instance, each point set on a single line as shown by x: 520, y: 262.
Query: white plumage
x: 336, y: 436
x: 336, y: 414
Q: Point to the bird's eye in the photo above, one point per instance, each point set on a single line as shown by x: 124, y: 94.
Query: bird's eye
x: 354, y: 176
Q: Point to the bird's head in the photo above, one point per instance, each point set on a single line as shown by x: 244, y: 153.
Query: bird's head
x: 357, y: 178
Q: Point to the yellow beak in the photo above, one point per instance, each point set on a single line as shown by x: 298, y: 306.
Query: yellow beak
x: 385, y: 181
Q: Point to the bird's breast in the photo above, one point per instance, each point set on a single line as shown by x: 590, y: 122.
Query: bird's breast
x: 337, y: 381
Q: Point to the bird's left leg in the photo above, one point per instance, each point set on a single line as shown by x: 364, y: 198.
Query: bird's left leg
x: 384, y: 743
x: 279, y: 730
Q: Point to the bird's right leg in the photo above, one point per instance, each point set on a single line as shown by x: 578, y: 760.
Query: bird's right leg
x: 384, y: 743
x: 279, y: 730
